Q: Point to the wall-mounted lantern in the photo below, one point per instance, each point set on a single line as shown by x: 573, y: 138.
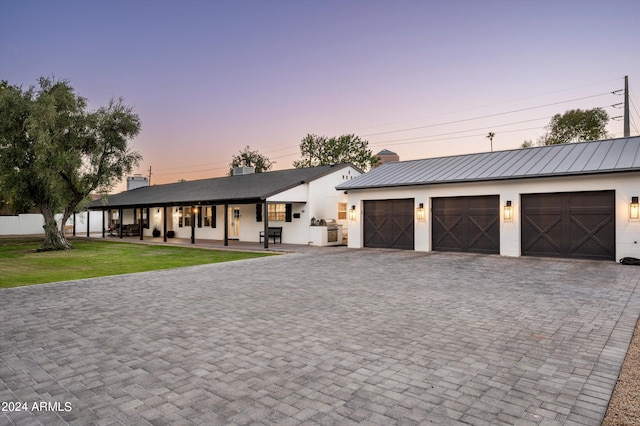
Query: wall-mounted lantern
x: 634, y: 209
x: 352, y: 213
x: 420, y: 212
x: 508, y: 211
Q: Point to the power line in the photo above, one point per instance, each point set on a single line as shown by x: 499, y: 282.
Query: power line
x: 486, y: 116
x: 457, y: 137
x: 474, y: 129
x: 464, y: 131
x: 499, y: 103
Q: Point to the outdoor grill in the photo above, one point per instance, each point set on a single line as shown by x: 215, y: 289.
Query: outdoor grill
x: 332, y: 231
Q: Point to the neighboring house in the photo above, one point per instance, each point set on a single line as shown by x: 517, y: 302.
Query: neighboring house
x: 576, y: 200
x: 236, y: 207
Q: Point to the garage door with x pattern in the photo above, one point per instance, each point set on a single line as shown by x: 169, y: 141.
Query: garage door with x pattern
x: 569, y: 224
x: 466, y: 224
x: 389, y: 223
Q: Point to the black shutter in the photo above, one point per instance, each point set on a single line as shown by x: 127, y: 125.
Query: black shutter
x: 258, y: 212
x: 200, y: 210
x: 146, y: 222
x: 213, y: 216
x: 288, y: 212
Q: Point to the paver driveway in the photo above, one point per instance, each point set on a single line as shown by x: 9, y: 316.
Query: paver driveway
x: 335, y: 337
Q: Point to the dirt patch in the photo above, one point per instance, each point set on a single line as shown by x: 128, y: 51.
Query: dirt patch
x: 624, y: 406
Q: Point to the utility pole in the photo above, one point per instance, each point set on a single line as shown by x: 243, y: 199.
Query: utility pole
x: 627, y: 130
x: 149, y: 175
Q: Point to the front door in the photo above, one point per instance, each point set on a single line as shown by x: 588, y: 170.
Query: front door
x: 234, y: 223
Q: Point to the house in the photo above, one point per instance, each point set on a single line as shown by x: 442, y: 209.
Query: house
x: 236, y: 207
x: 576, y: 200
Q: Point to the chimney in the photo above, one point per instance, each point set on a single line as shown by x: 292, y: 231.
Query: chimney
x: 137, y: 181
x: 243, y: 170
x: 387, y: 156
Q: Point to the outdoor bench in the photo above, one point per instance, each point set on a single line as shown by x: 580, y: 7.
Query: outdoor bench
x: 275, y: 232
x: 130, y: 230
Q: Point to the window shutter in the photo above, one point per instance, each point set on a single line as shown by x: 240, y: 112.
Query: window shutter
x: 258, y: 212
x: 288, y: 212
x: 200, y: 211
x: 213, y: 216
x: 146, y: 220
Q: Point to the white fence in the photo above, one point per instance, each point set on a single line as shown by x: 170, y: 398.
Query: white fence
x: 30, y: 224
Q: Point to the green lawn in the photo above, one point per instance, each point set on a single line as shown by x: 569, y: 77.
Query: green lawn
x: 21, y: 265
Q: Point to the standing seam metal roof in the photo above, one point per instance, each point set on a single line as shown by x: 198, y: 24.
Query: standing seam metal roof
x: 604, y: 156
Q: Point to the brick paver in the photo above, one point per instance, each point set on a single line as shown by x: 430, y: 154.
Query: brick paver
x: 334, y: 336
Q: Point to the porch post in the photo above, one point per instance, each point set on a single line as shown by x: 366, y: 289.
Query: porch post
x: 193, y: 225
x: 120, y: 221
x: 141, y: 224
x: 226, y: 224
x: 164, y: 224
x: 102, y: 211
x: 74, y: 224
x: 265, y: 220
x: 88, y: 223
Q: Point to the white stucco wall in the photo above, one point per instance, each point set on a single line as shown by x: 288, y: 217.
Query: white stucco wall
x: 30, y: 224
x: 320, y: 201
x: 625, y: 186
x: 24, y: 224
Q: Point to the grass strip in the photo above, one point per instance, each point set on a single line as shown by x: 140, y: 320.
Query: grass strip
x: 21, y: 265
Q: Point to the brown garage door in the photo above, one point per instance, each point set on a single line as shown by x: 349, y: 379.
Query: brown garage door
x: 466, y: 224
x: 569, y: 224
x: 389, y: 224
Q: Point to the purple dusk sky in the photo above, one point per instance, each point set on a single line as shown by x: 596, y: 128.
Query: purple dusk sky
x: 420, y: 78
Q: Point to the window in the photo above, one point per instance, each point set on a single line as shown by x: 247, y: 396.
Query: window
x: 277, y: 212
x: 179, y: 214
x: 187, y: 217
x: 342, y: 211
x: 280, y: 212
x: 206, y: 216
x: 145, y: 218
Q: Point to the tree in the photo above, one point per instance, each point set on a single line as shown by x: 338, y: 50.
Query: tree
x: 577, y: 125
x: 249, y: 158
x: 574, y: 125
x: 490, y: 136
x: 54, y: 152
x: 320, y: 150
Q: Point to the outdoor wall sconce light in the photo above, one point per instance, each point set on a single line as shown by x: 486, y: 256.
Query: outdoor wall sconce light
x: 352, y: 213
x: 508, y: 211
x: 634, y: 208
x: 420, y: 212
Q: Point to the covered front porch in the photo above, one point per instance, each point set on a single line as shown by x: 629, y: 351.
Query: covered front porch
x: 233, y: 222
